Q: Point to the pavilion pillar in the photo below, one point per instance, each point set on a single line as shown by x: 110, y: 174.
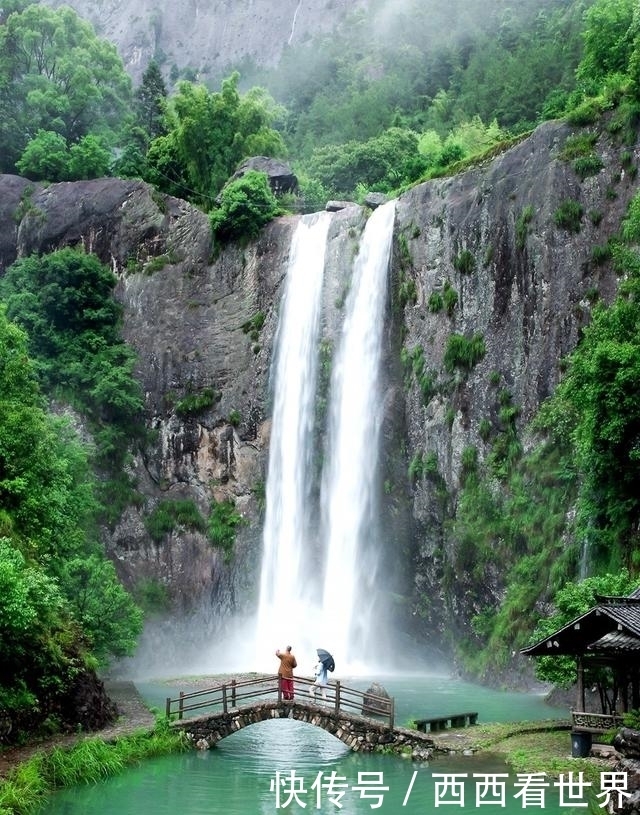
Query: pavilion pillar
x: 580, y: 700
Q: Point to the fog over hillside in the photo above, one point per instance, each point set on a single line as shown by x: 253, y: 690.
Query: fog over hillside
x: 206, y: 39
x: 209, y: 36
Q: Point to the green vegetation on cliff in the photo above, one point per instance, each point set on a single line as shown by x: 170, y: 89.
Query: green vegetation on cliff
x: 587, y: 459
x: 62, y: 608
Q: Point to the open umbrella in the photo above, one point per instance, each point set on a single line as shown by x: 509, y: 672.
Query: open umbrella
x: 326, y: 659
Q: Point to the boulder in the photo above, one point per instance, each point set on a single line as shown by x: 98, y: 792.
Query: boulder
x: 376, y: 701
x: 336, y: 206
x: 281, y: 177
x: 373, y: 200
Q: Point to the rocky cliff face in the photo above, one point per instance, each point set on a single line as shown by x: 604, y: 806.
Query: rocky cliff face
x: 208, y: 37
x: 523, y: 283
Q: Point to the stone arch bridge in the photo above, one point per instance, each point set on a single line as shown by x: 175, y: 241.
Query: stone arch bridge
x: 362, y: 721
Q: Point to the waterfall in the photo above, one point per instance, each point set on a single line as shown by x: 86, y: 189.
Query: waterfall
x: 284, y: 606
x: 317, y: 587
x: 350, y: 477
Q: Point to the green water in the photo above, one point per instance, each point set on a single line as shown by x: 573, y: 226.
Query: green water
x: 240, y: 776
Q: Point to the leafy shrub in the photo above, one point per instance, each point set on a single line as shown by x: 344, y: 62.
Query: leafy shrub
x: 194, y: 403
x: 601, y: 253
x: 151, y: 595
x: 48, y: 157
x: 224, y: 521
x: 407, y: 292
x: 246, y: 205
x: 484, y: 429
x: 449, y: 297
x: 253, y: 326
x: 167, y: 515
x: 436, y: 303
x: 423, y: 465
x: 465, y: 262
x: 568, y: 215
x: 578, y: 145
x: 65, y: 302
x: 586, y: 166
x: 462, y: 352
x: 631, y: 224
x: 587, y: 112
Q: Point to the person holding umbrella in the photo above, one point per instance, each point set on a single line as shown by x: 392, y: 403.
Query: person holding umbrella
x: 325, y: 661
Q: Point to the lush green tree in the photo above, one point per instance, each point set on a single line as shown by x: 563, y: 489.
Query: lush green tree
x: 599, y: 392
x: 208, y: 135
x: 65, y: 302
x: 380, y: 163
x: 46, y: 491
x: 608, y: 39
x: 164, y: 168
x: 131, y: 161
x: 88, y: 158
x: 56, y: 75
x: 111, y: 622
x: 150, y: 102
x: 46, y: 157
x: 39, y: 644
x: 246, y: 205
x: 47, y: 528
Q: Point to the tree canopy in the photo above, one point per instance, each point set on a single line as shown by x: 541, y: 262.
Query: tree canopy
x: 208, y: 134
x: 57, y: 76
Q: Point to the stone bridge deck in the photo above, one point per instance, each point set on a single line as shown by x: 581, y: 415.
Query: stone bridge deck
x: 363, y: 721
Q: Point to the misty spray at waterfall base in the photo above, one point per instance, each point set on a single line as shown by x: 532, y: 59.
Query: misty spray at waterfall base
x: 322, y: 582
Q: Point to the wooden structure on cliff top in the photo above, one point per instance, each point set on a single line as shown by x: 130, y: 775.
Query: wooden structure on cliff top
x: 606, y: 636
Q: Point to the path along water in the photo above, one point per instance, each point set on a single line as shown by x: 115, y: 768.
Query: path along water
x: 284, y: 764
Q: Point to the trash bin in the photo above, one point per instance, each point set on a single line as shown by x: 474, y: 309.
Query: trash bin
x: 580, y: 744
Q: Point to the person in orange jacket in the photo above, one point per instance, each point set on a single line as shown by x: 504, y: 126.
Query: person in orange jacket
x: 285, y: 672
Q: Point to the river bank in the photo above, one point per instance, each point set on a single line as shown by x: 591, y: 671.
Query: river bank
x: 133, y: 715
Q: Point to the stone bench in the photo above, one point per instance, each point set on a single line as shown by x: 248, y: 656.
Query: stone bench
x: 436, y: 723
x: 596, y: 723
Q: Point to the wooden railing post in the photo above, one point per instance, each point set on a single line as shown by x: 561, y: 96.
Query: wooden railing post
x: 233, y: 693
x: 279, y: 689
x: 224, y: 698
x: 180, y: 704
x: 168, y: 707
x: 392, y: 712
x: 337, y: 697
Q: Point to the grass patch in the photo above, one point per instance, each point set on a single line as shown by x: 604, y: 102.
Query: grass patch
x: 26, y: 788
x: 528, y: 747
x: 168, y: 515
x: 568, y: 215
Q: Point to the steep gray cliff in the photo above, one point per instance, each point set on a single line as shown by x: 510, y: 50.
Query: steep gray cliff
x: 208, y: 37
x: 523, y: 284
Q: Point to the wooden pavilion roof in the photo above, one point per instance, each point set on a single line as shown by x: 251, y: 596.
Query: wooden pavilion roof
x: 610, y: 629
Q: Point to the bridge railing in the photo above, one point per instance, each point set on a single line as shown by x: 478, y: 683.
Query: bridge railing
x: 234, y: 694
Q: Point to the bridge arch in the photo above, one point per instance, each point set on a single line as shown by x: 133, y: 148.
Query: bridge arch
x: 358, y: 733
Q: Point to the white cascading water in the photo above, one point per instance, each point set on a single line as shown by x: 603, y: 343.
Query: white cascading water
x: 297, y: 606
x: 350, y: 477
x: 285, y: 608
